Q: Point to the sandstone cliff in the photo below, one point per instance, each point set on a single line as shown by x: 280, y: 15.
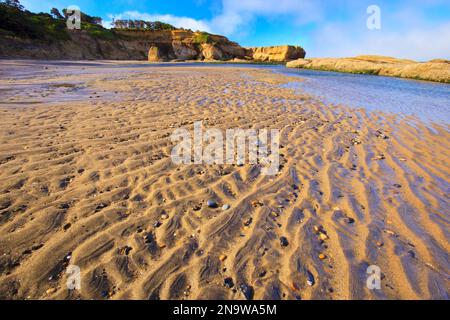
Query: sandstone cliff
x: 163, y: 45
x: 156, y: 46
x: 188, y: 45
x: 276, y: 53
x: 434, y: 70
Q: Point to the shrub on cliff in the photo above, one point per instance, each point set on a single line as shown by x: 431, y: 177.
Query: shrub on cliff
x: 25, y: 24
x: 202, y: 37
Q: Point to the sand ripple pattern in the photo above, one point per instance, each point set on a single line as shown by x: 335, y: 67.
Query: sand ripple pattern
x: 91, y: 183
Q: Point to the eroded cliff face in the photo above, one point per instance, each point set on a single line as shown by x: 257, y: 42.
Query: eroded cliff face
x: 223, y: 50
x: 80, y: 46
x: 276, y: 53
x: 188, y: 45
x: 154, y: 46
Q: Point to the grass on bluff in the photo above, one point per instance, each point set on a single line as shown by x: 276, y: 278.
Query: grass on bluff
x: 98, y: 31
x: 202, y: 37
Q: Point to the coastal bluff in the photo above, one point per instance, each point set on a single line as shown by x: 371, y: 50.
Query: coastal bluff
x: 179, y: 45
x: 437, y: 70
x: 154, y: 46
x: 27, y: 35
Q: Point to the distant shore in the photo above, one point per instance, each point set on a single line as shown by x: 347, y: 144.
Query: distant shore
x: 437, y: 70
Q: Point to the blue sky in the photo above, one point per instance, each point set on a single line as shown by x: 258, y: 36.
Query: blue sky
x: 415, y: 29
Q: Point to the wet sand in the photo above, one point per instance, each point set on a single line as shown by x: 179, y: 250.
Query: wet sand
x: 86, y: 179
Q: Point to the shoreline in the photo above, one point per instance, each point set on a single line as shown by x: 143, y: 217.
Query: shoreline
x: 294, y: 64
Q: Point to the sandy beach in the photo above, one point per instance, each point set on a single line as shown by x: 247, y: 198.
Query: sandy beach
x: 86, y: 179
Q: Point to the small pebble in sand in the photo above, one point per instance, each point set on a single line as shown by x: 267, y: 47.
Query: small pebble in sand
x: 212, y: 203
x: 157, y: 224
x: 309, y: 279
x: 125, y: 250
x: 390, y: 232
x: 350, y: 220
x: 222, y: 257
x: 322, y: 256
x: 248, y: 222
x: 256, y: 204
x: 380, y: 244
x: 164, y: 216
x: 50, y: 291
x: 284, y: 242
x: 323, y: 236
x: 381, y: 135
x: 226, y: 207
x: 228, y: 282
x: 379, y: 157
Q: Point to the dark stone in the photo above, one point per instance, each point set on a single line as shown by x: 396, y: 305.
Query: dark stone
x: 228, y: 282
x: 212, y: 204
x: 157, y: 224
x: 310, y: 278
x: 284, y: 242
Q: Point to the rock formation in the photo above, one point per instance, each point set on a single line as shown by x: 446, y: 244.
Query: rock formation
x: 276, y: 53
x: 188, y: 45
x: 434, y: 70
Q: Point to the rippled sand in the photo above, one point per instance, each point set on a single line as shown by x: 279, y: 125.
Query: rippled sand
x: 85, y: 173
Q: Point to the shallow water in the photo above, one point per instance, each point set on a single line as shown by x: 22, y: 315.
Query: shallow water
x: 428, y: 101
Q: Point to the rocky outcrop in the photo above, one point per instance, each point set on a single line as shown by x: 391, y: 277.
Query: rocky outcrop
x: 188, y: 45
x: 276, y: 53
x: 435, y: 70
x: 211, y: 52
x: 299, y: 63
x: 154, y: 54
x: 184, y: 51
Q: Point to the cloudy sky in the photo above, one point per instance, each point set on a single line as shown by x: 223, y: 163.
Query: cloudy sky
x: 415, y: 29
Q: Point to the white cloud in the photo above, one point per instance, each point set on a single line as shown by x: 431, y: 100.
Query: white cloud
x: 418, y: 41
x: 236, y: 14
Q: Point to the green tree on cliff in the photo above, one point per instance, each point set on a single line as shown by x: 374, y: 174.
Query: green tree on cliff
x: 55, y: 13
x: 85, y: 18
x: 14, y: 4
